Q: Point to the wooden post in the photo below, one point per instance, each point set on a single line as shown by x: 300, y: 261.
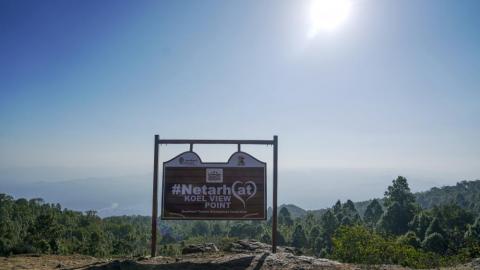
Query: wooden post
x: 153, y: 247
x: 275, y: 188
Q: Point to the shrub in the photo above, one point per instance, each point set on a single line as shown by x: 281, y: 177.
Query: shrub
x: 358, y: 244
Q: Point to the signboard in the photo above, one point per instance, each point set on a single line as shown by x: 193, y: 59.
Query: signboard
x: 193, y: 189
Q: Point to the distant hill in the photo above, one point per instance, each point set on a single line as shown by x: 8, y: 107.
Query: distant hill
x: 465, y: 193
x: 295, y: 211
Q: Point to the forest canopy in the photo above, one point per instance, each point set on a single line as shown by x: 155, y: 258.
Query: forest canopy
x: 429, y: 229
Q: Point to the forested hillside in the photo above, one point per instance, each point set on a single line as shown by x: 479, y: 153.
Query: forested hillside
x: 393, y: 230
x: 465, y: 194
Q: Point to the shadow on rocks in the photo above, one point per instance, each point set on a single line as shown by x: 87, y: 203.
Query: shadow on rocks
x: 236, y: 264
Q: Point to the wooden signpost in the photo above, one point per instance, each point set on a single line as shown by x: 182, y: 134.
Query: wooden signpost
x: 235, y: 190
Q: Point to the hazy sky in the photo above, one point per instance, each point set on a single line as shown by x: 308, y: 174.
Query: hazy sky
x: 84, y: 85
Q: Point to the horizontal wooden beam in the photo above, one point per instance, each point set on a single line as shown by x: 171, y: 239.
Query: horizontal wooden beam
x: 264, y: 142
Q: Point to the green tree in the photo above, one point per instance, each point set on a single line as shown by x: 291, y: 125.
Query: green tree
x: 298, y: 238
x: 473, y: 232
x: 337, y: 208
x: 410, y: 238
x: 435, y: 242
x: 401, y: 209
x: 420, y: 224
x: 434, y: 227
x: 284, y: 217
x: 312, y: 236
x: 200, y: 228
x: 351, y: 212
x: 373, y: 213
x: 328, y: 224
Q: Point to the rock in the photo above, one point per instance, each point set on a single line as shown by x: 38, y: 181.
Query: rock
x: 200, y: 248
x: 476, y: 264
x: 60, y: 265
x: 248, y: 245
x: 253, y: 246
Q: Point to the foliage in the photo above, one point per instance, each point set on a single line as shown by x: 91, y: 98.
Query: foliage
x: 435, y: 242
x: 398, y: 232
x: 284, y: 217
x: 298, y: 237
x: 400, y: 204
x: 358, y: 244
x: 373, y: 213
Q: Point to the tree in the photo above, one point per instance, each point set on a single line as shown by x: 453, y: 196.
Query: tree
x: 312, y: 236
x: 420, y: 224
x: 473, y: 232
x: 399, y: 192
x: 200, y: 228
x: 337, y: 208
x: 217, y: 230
x: 45, y: 233
x: 328, y: 224
x: 435, y: 242
x: 298, y: 238
x: 434, y: 227
x: 472, y: 238
x: 410, y: 238
x: 281, y: 239
x: 394, y: 221
x: 284, y: 217
x: 373, y: 213
x: 349, y: 210
x: 401, y: 209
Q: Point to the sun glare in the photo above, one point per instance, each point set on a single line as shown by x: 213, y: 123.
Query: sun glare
x: 327, y: 15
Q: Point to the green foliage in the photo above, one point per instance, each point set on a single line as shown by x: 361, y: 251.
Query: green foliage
x: 409, y: 239
x: 399, y: 192
x: 401, y: 209
x: 373, y: 213
x: 435, y: 242
x: 200, y: 228
x: 398, y: 233
x: 245, y: 230
x: 284, y: 217
x: 465, y: 194
x: 298, y: 237
x: 359, y: 244
x: 420, y: 224
x: 434, y: 227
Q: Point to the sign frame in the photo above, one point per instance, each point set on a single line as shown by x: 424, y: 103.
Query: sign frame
x: 158, y: 142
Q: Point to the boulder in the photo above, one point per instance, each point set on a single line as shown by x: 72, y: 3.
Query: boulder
x: 254, y: 246
x: 200, y: 248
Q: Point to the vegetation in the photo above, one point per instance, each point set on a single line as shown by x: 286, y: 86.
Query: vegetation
x: 396, y: 229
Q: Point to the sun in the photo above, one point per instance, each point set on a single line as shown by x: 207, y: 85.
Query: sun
x: 328, y: 15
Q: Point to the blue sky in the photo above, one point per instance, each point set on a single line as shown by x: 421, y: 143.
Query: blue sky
x: 84, y: 85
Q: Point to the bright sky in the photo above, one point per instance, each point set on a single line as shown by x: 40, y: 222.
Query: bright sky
x: 390, y: 85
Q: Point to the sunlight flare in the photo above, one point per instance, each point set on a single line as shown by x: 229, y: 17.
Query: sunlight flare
x: 328, y: 15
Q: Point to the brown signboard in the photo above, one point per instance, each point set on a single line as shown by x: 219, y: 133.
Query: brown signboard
x: 196, y: 190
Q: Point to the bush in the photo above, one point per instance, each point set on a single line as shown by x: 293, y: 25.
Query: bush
x: 435, y: 242
x: 410, y: 239
x: 358, y: 244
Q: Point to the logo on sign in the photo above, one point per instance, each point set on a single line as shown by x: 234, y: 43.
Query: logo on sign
x: 244, y: 191
x: 185, y: 161
x: 241, y: 161
x: 214, y: 175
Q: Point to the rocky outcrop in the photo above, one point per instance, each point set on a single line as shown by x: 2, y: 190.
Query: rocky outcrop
x: 200, y: 248
x: 253, y: 246
x: 224, y: 261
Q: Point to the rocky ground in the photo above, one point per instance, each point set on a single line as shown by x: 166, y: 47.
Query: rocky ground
x: 245, y: 255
